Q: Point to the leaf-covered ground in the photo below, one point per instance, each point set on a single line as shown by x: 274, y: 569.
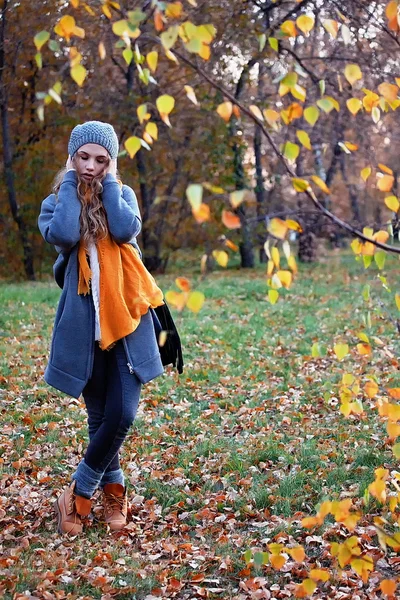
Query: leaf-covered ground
x: 224, y: 460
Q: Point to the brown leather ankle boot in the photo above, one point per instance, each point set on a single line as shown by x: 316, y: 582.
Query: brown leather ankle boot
x: 115, y: 504
x: 70, y: 510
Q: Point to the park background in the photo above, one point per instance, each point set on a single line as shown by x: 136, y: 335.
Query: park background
x: 261, y: 138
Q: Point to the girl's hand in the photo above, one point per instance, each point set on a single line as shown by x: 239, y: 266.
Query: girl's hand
x: 69, y: 165
x: 112, y: 168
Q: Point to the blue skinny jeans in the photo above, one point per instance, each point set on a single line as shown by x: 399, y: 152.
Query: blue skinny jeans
x: 111, y: 397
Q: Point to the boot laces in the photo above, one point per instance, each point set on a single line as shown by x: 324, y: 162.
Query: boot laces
x: 114, y: 502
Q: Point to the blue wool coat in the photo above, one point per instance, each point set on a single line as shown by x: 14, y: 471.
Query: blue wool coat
x: 72, y: 347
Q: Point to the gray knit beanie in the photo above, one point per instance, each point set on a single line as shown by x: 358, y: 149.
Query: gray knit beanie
x: 94, y: 132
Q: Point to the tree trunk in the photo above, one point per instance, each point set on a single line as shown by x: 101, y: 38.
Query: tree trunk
x: 8, y: 160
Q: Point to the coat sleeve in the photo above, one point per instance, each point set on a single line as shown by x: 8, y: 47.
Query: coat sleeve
x: 59, y: 219
x: 122, y: 210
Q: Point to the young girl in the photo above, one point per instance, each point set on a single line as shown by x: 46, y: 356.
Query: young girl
x: 104, y: 343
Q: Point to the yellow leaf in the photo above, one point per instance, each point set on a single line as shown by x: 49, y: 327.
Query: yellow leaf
x: 75, y: 3
x: 174, y: 10
x: 169, y: 37
x: 354, y: 105
x: 152, y: 60
x: 230, y: 220
x: 371, y: 389
x: 78, y: 74
x: 102, y: 50
x: 285, y: 278
x: 377, y: 489
x: 65, y: 27
x: 391, y: 9
x: 176, y: 299
x: 278, y: 228
x: 341, y: 350
x: 195, y: 301
x: 305, y: 23
x: 331, y: 27
x: 385, y: 169
x: 300, y: 185
x: 321, y: 184
x: 271, y: 116
x: 165, y: 105
x: 190, y: 94
x: 289, y: 28
x: 396, y: 451
x: 304, y: 138
x: 352, y: 73
x: 225, y: 111
x: 294, y: 225
x: 397, y: 300
x: 298, y: 92
x: 385, y: 182
x: 311, y: 115
x: 194, y: 193
x: 292, y: 263
x: 132, y: 145
x: 389, y: 91
x: 393, y: 430
x: 297, y: 553
x: 221, y: 257
x: 364, y: 349
x: 202, y: 214
x: 151, y: 129
x: 365, y: 173
x: 381, y: 236
x: 350, y: 146
x: 256, y: 112
x: 275, y: 257
x: 319, y: 575
x: 290, y: 151
x: 162, y: 338
x: 370, y: 100
x: 123, y: 28
x: 362, y: 566
x: 277, y: 561
x: 236, y: 198
x: 142, y: 113
x: 40, y: 39
x: 273, y: 296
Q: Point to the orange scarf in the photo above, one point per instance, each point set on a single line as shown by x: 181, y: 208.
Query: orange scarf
x: 127, y: 289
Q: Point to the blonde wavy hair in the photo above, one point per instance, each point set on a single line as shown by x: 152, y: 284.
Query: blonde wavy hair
x: 93, y: 218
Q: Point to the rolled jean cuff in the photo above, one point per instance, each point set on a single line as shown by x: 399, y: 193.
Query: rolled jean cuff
x: 116, y: 476
x: 87, y: 480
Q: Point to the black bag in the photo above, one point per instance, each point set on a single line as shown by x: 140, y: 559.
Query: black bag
x: 171, y: 351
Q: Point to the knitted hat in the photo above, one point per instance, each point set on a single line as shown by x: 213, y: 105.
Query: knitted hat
x: 94, y: 132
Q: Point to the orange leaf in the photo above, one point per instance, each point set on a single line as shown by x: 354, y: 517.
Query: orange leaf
x: 364, y: 349
x: 388, y: 587
x: 385, y: 182
x: 197, y: 578
x: 183, y: 284
x: 158, y: 21
x: 298, y: 554
x: 371, y: 389
x: 394, y: 393
x: 277, y: 561
x: 389, y: 91
x: 230, y: 220
x: 202, y: 214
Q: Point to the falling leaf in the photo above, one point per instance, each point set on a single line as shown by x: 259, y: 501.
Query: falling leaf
x: 183, y: 284
x: 290, y: 151
x: 300, y: 185
x: 256, y: 112
x: 271, y: 116
x: 365, y: 173
x: 273, y: 296
x: 230, y: 220
x: 385, y: 182
x: 236, y: 198
x: 331, y: 27
x: 152, y: 60
x: 289, y: 28
x: 354, y: 105
x: 102, y: 50
x: 78, y: 74
x: 194, y: 193
x: 190, y: 94
x: 225, y: 111
x: 165, y: 105
x: 152, y: 130
x: 195, y: 301
x: 389, y: 91
x: 202, y: 214
x: 385, y: 169
x: 305, y: 23
x: 311, y: 115
x: 352, y: 73
x: 304, y: 138
x: 40, y: 39
x: 278, y: 228
x: 221, y: 257
x: 321, y: 184
x: 169, y: 37
x: 341, y: 350
x: 132, y: 145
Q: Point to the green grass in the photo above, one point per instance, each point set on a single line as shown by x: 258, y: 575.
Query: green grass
x: 219, y: 458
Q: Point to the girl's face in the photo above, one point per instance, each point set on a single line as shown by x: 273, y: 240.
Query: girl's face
x: 91, y: 160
